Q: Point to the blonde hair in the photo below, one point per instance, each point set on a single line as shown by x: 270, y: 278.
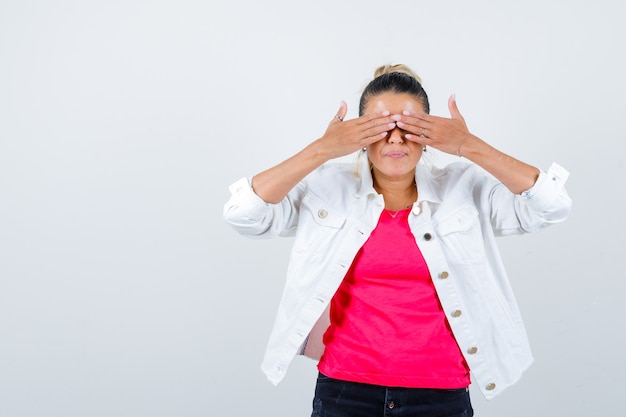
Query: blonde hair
x: 401, y: 68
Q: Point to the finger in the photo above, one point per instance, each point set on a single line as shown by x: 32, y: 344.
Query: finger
x: 373, y: 138
x: 341, y: 113
x: 416, y: 127
x: 422, y: 140
x: 454, y: 109
x: 376, y: 128
x: 374, y: 119
x: 408, y: 116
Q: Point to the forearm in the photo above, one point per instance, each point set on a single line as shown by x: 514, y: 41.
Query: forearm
x: 517, y: 176
x: 272, y: 185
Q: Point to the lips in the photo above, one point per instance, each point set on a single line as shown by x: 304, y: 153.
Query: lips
x: 395, y: 154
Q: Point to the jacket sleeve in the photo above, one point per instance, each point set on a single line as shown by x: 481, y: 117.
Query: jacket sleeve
x: 544, y: 204
x: 249, y: 215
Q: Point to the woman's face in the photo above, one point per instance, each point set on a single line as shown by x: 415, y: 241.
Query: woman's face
x: 394, y: 156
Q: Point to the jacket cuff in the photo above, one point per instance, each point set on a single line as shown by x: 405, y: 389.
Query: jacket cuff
x: 243, y: 196
x: 548, y: 186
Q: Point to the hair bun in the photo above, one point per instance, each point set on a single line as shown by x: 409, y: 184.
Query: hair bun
x: 401, y: 68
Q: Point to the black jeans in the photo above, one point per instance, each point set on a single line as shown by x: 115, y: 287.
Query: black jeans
x: 335, y: 398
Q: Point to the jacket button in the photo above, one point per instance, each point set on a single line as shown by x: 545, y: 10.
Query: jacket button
x: 491, y: 386
x: 456, y: 313
x: 427, y: 236
x: 444, y: 274
x: 322, y: 213
x: 472, y: 350
x: 417, y: 210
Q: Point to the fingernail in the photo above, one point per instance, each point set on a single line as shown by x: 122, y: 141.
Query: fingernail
x: 386, y: 113
x: 400, y: 124
x: 396, y: 117
x: 405, y: 112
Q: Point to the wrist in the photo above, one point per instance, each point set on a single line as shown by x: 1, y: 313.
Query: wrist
x: 318, y: 152
x: 469, y: 147
x: 459, y: 151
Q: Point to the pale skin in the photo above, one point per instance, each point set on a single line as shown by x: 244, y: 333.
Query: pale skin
x: 391, y: 130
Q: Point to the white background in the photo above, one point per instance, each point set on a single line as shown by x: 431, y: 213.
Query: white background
x: 122, y: 122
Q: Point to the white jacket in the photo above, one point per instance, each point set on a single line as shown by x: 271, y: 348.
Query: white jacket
x: 459, y: 212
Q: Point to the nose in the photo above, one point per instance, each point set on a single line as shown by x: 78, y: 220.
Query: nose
x: 395, y: 136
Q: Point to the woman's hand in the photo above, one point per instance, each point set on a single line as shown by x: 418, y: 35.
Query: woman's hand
x: 343, y: 137
x: 452, y: 136
x: 445, y: 134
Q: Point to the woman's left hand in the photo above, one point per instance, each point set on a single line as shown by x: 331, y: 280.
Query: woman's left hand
x: 452, y: 136
x: 445, y: 134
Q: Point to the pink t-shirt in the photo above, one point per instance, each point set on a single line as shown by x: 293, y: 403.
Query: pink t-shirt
x: 387, y: 325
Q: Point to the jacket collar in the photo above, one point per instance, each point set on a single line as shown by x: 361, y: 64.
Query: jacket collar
x: 424, y: 179
x: 367, y: 182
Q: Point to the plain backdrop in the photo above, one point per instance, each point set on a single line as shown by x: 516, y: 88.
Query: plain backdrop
x: 122, y: 123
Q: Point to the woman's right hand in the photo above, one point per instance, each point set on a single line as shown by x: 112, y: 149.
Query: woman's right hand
x: 343, y: 137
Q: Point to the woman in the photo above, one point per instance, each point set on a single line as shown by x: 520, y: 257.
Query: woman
x: 395, y: 282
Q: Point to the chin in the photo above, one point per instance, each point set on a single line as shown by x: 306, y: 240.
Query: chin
x: 393, y: 173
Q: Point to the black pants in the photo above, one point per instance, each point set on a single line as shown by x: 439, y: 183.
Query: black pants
x: 335, y: 398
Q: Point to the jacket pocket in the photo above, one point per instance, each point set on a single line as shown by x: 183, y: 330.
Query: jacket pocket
x: 321, y: 213
x: 461, y: 235
x: 319, y: 224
